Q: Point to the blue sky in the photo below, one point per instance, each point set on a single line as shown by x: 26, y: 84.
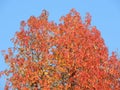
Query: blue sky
x: 105, y: 16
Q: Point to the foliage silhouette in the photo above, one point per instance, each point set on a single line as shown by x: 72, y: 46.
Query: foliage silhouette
x: 71, y: 55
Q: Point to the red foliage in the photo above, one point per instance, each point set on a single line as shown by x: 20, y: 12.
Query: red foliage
x: 69, y: 56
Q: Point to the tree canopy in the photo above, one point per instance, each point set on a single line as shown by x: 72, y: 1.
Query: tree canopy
x: 70, y: 55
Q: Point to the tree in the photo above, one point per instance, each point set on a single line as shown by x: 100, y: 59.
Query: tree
x: 71, y: 55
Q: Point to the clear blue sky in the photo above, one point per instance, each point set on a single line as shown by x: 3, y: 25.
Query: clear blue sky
x: 105, y: 15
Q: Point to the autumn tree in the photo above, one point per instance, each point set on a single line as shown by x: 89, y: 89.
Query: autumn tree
x: 71, y: 55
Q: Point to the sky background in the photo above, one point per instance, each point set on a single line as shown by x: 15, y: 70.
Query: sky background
x: 105, y: 16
